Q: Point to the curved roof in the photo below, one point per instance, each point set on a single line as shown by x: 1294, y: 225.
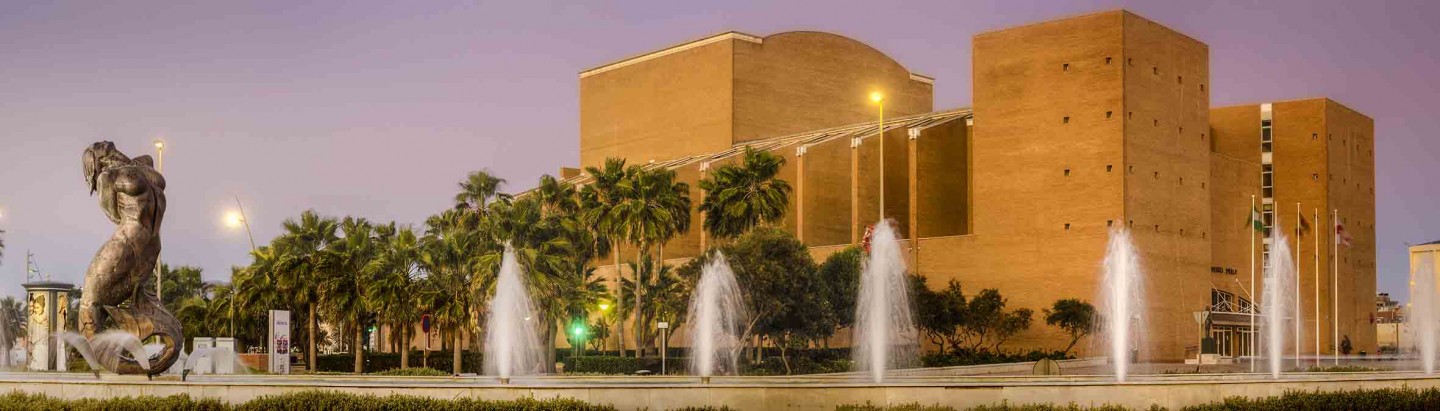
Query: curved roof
x: 735, y: 35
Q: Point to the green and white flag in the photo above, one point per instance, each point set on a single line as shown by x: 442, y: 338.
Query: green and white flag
x: 1255, y: 220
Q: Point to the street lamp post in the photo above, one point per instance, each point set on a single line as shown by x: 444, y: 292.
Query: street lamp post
x: 879, y: 100
x: 236, y: 219
x: 159, y: 167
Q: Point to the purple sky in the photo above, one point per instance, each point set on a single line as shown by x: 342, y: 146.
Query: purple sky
x: 377, y: 108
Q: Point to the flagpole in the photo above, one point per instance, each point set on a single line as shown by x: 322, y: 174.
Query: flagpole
x: 1298, y: 319
x: 1317, y: 291
x: 1335, y: 286
x: 1250, y: 228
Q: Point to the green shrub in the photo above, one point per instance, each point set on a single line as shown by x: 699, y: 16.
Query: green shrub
x: 376, y: 362
x: 23, y: 401
x: 623, y: 365
x: 1346, y: 368
x: 967, y: 357
x: 324, y: 400
x: 1378, y: 400
x: 413, y: 372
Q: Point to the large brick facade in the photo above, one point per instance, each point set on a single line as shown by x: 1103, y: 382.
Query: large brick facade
x: 1079, y: 126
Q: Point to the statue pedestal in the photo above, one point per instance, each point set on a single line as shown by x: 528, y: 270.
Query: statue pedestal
x: 47, y: 305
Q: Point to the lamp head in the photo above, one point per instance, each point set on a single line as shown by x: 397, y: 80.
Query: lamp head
x: 876, y: 97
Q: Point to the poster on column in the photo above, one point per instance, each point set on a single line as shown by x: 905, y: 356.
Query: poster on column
x: 279, y: 342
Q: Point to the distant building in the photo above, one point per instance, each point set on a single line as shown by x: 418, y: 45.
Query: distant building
x: 1079, y: 126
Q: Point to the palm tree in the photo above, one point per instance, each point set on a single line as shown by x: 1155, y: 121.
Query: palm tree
x: 299, y: 252
x: 740, y: 197
x: 342, y: 292
x: 257, y: 290
x: 2, y: 246
x: 668, y: 302
x: 394, y: 292
x: 12, y: 327
x: 654, y: 208
x: 478, y: 190
x: 448, y: 258
x: 598, y: 200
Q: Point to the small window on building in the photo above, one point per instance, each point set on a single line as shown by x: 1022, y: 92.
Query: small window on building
x: 1202, y: 235
x: 1202, y: 185
x: 1155, y: 69
x: 1065, y: 120
x: 1155, y: 122
x: 1157, y: 175
x: 1130, y: 61
x: 1067, y: 172
x: 1131, y: 223
x: 1182, y: 130
x: 1067, y: 226
x: 1202, y: 136
x: 1180, y: 79
x: 1130, y: 115
x: 1314, y: 136
x: 1157, y: 228
x: 1109, y: 223
x: 1108, y: 167
x: 1315, y: 176
x: 1107, y: 60
x: 1182, y: 181
x: 1065, y: 67
x: 1182, y: 232
x: 1202, y: 86
x: 1108, y: 113
x: 1132, y: 169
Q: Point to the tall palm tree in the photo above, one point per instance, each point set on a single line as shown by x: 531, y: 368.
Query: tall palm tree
x: 668, y: 293
x: 257, y: 290
x: 299, y: 253
x: 740, y: 197
x: 598, y: 200
x: 394, y: 292
x: 448, y: 258
x: 12, y: 326
x: 479, y: 189
x: 344, y: 279
x: 653, y: 208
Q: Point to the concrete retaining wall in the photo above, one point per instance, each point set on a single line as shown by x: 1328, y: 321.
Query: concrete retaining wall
x: 660, y: 393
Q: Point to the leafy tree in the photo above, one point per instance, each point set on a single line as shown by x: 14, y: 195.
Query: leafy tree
x: 839, y: 278
x: 990, y: 323
x: 943, y: 316
x: 181, y: 283
x: 1077, y: 318
x: 669, y: 296
x: 780, y: 281
x: 599, y: 200
x: 740, y: 197
x: 2, y: 247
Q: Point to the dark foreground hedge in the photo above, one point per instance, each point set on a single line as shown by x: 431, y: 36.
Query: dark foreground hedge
x: 1396, y: 399
x: 1388, y: 399
x: 376, y: 362
x: 301, y: 401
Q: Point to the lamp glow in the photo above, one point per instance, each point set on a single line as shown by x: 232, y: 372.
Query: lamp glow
x: 233, y: 219
x: 876, y: 97
x: 604, y: 306
x: 159, y: 145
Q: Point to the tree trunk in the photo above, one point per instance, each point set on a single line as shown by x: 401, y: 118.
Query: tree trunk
x: 640, y: 328
x: 359, y: 347
x: 310, y: 362
x: 620, y: 319
x: 404, y: 348
x: 455, y: 355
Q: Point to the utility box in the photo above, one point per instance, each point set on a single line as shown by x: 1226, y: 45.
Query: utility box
x: 224, y: 356
x: 206, y: 364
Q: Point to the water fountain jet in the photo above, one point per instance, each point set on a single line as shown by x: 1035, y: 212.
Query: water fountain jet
x: 716, y: 312
x: 885, y: 336
x: 1423, y: 309
x: 512, y: 340
x: 1122, y: 299
x: 1277, y: 298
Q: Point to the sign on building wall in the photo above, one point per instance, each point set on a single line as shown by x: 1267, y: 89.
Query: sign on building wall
x: 279, y: 342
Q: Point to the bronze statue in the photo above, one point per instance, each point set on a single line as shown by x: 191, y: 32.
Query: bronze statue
x: 120, y: 283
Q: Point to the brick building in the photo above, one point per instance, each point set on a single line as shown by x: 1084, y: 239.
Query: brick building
x: 1078, y: 126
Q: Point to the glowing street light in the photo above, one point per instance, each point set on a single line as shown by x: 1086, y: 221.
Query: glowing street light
x: 879, y: 100
x: 234, y: 220
x: 604, y: 306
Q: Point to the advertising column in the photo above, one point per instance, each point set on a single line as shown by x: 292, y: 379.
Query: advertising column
x: 279, y: 342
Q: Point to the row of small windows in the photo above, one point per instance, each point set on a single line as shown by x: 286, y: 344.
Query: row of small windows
x: 1153, y: 122
x: 1111, y: 223
x: 1065, y: 67
x: 1109, y: 167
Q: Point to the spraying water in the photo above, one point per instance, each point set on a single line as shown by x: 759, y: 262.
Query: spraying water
x: 1277, y: 299
x: 716, y: 312
x: 1122, y: 299
x: 107, y: 349
x: 512, y: 343
x: 1423, y: 309
x: 885, y: 336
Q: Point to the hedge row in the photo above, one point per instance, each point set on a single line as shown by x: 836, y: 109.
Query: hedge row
x: 951, y: 359
x: 1391, y: 399
x: 376, y: 362
x: 623, y: 365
